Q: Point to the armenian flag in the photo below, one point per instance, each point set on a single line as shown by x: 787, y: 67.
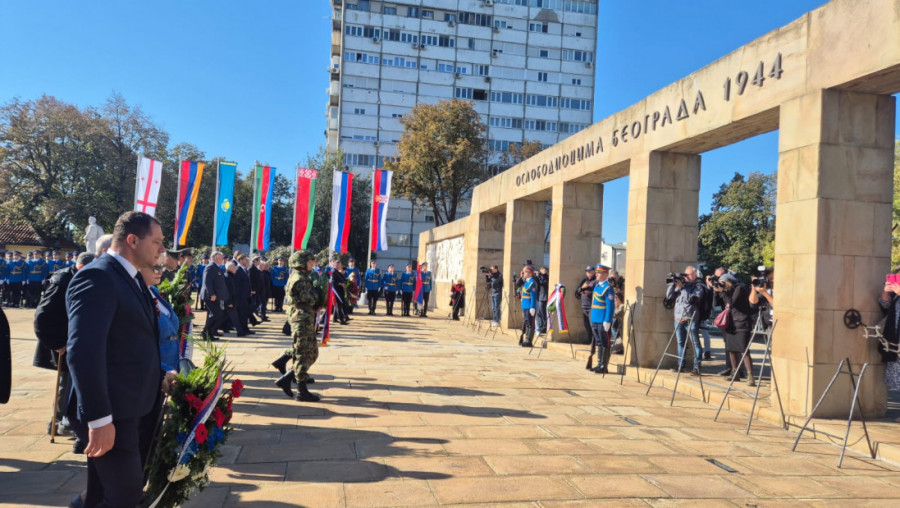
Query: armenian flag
x: 224, y: 201
x: 189, y: 178
x: 263, y: 192
x: 304, y: 207
x: 340, y: 210
x: 381, y: 195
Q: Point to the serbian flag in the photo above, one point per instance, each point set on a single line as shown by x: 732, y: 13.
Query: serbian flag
x: 304, y: 207
x: 224, y: 201
x: 189, y: 178
x: 263, y: 192
x: 340, y: 211
x: 146, y: 189
x: 381, y: 194
x: 419, y: 294
x: 556, y: 303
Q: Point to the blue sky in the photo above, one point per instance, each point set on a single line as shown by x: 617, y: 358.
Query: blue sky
x: 247, y: 80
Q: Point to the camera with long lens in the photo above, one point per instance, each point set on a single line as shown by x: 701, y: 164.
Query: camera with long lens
x: 715, y: 282
x: 761, y: 280
x: 484, y: 269
x: 672, y: 277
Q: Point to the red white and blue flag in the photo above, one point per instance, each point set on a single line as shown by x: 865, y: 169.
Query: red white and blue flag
x: 146, y: 189
x: 340, y: 211
x: 381, y: 194
x: 263, y: 199
x: 419, y: 294
x: 189, y: 178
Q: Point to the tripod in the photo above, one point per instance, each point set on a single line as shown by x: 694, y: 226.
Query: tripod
x: 758, y: 329
x: 477, y: 318
x: 680, y: 358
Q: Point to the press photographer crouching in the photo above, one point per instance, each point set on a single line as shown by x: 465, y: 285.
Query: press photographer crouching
x: 685, y: 291
x: 739, y: 328
x: 494, y: 280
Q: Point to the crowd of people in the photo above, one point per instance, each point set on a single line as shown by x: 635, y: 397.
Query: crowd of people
x: 22, y: 278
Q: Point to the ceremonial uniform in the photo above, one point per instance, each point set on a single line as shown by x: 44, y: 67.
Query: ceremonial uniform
x: 4, y: 279
x: 603, y: 306
x: 305, y: 295
x: 389, y: 284
x: 529, y: 306
x: 373, y: 285
x: 279, y: 275
x: 17, y: 269
x: 407, y: 287
x: 54, y: 265
x: 426, y: 292
x: 37, y: 272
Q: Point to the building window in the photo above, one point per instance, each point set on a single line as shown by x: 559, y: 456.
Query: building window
x: 427, y: 14
x: 540, y: 125
x: 449, y: 17
x: 481, y: 70
x: 577, y: 55
x: 399, y: 240
x: 389, y: 10
x: 471, y: 18
x: 499, y: 23
x: 544, y: 101
x: 359, y: 111
x: 537, y: 27
x: 444, y: 67
x: 361, y: 5
x: 412, y: 12
x: 355, y: 31
x: 576, y: 81
x: 471, y: 43
x: 408, y: 37
x: 542, y: 76
x: 506, y: 97
x: 544, y: 53
x: 479, y: 95
x: 359, y: 159
x: 463, y: 93
x: 497, y: 145
x: 462, y: 70
x: 579, y: 104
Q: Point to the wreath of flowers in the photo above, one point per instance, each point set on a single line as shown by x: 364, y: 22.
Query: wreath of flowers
x: 172, y: 481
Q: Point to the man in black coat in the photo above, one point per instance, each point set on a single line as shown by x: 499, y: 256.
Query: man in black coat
x: 232, y: 282
x: 256, y: 283
x: 113, y: 357
x: 213, y: 293
x: 244, y: 297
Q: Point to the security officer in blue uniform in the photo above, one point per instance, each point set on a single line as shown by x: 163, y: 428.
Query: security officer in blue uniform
x: 603, y: 306
x: 70, y: 260
x: 407, y: 288
x: 279, y: 275
x: 4, y: 275
x: 390, y: 282
x: 37, y: 272
x: 426, y: 289
x: 198, y: 279
x: 17, y: 268
x: 529, y: 304
x: 373, y: 286
x: 56, y: 263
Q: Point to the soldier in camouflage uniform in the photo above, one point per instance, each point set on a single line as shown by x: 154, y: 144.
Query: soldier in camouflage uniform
x: 306, y: 296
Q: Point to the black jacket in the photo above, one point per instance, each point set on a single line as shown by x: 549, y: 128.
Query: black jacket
x: 232, y: 287
x: 256, y: 283
x: 242, y: 285
x: 51, y: 323
x: 543, y: 281
x: 5, y: 359
x: 213, y: 283
x: 742, y: 312
x: 495, y: 281
x: 585, y: 295
x: 891, y: 332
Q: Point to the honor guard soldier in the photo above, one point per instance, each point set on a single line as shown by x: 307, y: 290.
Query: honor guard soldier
x: 602, y: 307
x: 17, y: 268
x: 373, y: 285
x: 407, y: 287
x: 529, y: 304
x: 306, y: 295
x: 171, y: 265
x: 70, y: 260
x: 37, y: 272
x: 58, y: 263
x: 426, y: 288
x: 351, y: 268
x: 390, y: 282
x: 4, y: 275
x: 279, y: 275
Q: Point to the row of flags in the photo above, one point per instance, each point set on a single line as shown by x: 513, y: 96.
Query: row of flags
x: 190, y: 176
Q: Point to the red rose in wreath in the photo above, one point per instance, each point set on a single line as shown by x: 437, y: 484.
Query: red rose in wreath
x: 219, y: 417
x: 237, y: 387
x: 193, y: 401
x: 200, y: 434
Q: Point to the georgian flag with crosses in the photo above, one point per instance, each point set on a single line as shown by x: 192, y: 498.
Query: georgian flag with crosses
x: 149, y: 174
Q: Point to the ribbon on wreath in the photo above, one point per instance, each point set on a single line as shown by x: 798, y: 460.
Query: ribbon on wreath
x: 557, y: 303
x: 326, y: 325
x: 209, y: 404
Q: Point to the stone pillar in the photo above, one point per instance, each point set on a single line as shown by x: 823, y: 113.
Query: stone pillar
x: 832, y: 244
x: 576, y: 225
x: 484, y: 236
x: 523, y: 239
x: 662, y: 237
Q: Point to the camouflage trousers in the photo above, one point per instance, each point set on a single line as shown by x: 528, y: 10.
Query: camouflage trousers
x: 305, y: 350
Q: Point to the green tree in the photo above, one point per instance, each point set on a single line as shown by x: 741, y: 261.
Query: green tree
x: 442, y: 156
x: 741, y: 224
x: 520, y: 152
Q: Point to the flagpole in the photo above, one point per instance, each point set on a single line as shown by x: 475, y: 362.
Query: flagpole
x: 296, y: 195
x: 137, y: 183
x: 177, y: 192
x: 254, y: 213
x: 216, y: 208
x: 371, y: 218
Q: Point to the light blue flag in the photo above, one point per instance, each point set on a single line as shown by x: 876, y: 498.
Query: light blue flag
x: 227, y: 172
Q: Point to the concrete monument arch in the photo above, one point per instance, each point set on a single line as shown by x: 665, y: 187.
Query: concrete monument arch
x: 825, y: 82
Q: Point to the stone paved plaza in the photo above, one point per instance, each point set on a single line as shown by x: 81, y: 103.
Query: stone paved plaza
x: 425, y: 412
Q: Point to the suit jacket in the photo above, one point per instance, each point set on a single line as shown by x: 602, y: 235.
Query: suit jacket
x: 242, y: 285
x: 256, y: 282
x: 113, y: 354
x: 51, y: 324
x: 231, y: 284
x: 213, y: 283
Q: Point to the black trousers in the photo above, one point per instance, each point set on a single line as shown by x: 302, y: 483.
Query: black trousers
x: 586, y: 315
x: 215, y: 316
x: 15, y: 294
x: 372, y: 299
x: 389, y: 297
x: 33, y: 294
x: 278, y: 294
x: 116, y: 479
x: 426, y: 295
x: 405, y: 302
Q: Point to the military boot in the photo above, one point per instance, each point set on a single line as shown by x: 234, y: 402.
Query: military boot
x: 281, y: 364
x: 602, y: 360
x: 304, y: 395
x: 284, y: 382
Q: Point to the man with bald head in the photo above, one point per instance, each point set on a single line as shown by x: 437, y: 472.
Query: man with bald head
x: 687, y: 292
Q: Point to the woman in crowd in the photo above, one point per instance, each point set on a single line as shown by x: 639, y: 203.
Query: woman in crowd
x: 740, y: 329
x: 458, y: 298
x: 890, y: 302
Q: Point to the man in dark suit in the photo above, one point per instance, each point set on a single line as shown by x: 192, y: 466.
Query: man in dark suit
x: 214, y: 293
x: 244, y: 295
x: 232, y: 283
x: 256, y: 288
x: 113, y: 358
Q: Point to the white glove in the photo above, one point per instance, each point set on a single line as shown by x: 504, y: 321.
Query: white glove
x: 532, y: 311
x: 606, y: 327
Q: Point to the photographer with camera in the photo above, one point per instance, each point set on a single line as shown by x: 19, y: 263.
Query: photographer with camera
x: 584, y: 291
x: 543, y: 279
x: 686, y: 292
x: 494, y: 280
x: 762, y: 286
x: 740, y: 326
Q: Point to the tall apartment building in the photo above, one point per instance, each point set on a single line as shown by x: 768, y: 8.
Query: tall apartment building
x: 527, y: 65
